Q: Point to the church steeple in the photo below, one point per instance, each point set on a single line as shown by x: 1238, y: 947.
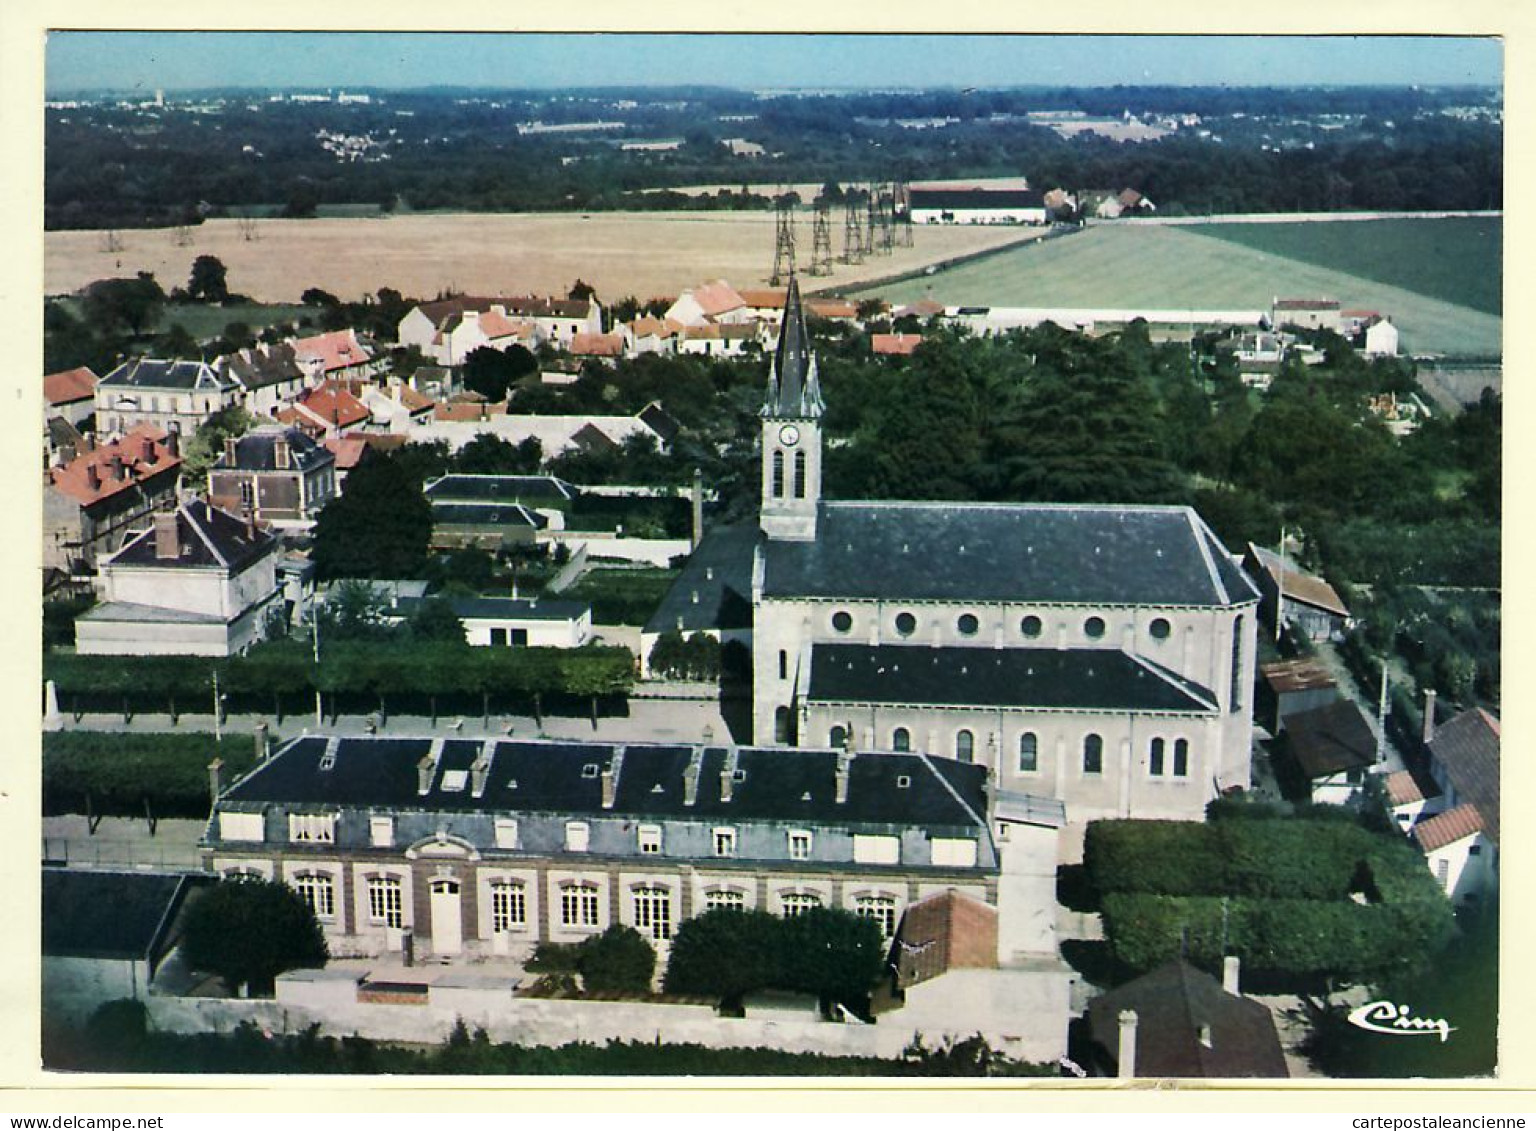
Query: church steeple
x: 792, y: 430
x: 794, y: 390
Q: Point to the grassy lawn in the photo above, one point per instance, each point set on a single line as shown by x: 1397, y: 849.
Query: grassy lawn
x: 1174, y: 268
x: 1458, y: 260
x: 622, y: 596
x: 209, y: 321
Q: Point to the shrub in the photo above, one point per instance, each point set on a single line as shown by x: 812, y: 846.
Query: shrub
x: 248, y: 931
x: 619, y: 960
x: 120, y: 771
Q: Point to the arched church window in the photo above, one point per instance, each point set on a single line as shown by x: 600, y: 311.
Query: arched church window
x: 838, y: 738
x: 1093, y: 755
x: 800, y: 475
x: 781, y: 725
x: 901, y: 740
x: 965, y: 746
x: 778, y: 475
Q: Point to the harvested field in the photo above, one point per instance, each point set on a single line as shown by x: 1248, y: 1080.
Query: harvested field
x: 1164, y: 267
x: 620, y: 253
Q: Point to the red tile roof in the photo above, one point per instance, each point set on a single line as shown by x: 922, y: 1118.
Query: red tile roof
x: 338, y: 349
x: 144, y: 455
x: 597, y: 345
x: 661, y: 327
x: 69, y: 386
x: 764, y: 300
x: 831, y: 308
x: 895, y: 344
x: 1402, y: 789
x: 1467, y: 749
x: 922, y: 308
x: 349, y: 449
x: 1296, y: 675
x: 1448, y: 827
x: 328, y: 404
x: 494, y: 324
x: 468, y: 410
x: 717, y: 298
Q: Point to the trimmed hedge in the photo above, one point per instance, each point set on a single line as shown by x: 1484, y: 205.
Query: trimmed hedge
x: 120, y: 771
x: 1312, y: 897
x: 262, y: 678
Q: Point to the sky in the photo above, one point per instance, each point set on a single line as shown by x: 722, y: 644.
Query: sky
x: 93, y: 60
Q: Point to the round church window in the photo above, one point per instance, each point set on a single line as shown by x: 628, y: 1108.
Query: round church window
x: 842, y: 620
x: 1030, y: 626
x: 906, y: 624
x: 967, y: 624
x: 1093, y: 627
x: 1160, y: 628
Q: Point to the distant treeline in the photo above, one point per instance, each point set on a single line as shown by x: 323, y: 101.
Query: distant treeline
x: 1291, y: 149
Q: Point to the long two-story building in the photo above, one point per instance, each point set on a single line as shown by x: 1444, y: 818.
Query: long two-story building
x: 474, y: 848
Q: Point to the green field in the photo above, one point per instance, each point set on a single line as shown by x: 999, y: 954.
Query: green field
x: 1458, y: 260
x: 204, y: 322
x: 1174, y: 268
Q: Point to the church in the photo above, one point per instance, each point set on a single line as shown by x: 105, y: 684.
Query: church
x: 1100, y: 656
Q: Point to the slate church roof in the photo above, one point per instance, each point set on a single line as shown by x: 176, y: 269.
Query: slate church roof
x: 1102, y: 679
x: 793, y: 387
x: 1024, y: 552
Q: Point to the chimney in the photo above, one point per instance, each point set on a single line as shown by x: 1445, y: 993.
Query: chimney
x: 90, y: 441
x: 427, y: 767
x: 93, y: 477
x: 118, y: 471
x: 611, y: 777
x: 149, y: 450
x: 1231, y: 975
x: 1429, y: 715
x: 697, y: 496
x: 691, y: 774
x: 215, y: 785
x: 173, y: 444
x: 167, y: 537
x: 844, y: 765
x: 229, y: 451
x: 261, y: 743
x: 480, y: 771
x: 728, y: 774
x: 1126, y: 1060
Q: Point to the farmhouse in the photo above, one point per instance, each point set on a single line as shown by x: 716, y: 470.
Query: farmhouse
x: 70, y: 394
x: 472, y: 848
x: 1307, y: 313
x: 1459, y: 830
x: 977, y: 206
x: 269, y: 376
x: 1333, y: 748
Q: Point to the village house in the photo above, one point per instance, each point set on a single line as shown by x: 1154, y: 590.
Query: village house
x: 1177, y: 1022
x: 710, y: 303
x: 894, y: 345
x: 732, y: 339
x: 518, y: 622
x: 174, y: 396
x: 396, y: 407
x: 281, y: 475
x: 269, y: 376
x: 1458, y: 830
x: 1307, y: 603
x: 1381, y: 338
x: 199, y: 582
x: 326, y: 412
x: 70, y: 394
x: 605, y: 348
x: 93, y: 501
x: 650, y: 335
x: 1332, y: 748
x: 337, y: 355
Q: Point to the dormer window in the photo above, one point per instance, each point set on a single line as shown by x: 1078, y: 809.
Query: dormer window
x: 312, y: 828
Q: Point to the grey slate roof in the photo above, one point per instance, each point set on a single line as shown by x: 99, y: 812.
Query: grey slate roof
x: 1468, y: 749
x: 504, y: 608
x: 256, y: 450
x: 1024, y: 552
x: 782, y: 784
x: 121, y: 915
x: 720, y: 571
x: 793, y: 387
x: 498, y: 488
x: 1066, y: 679
x: 208, y: 536
x: 262, y: 365
x: 487, y: 514
x: 127, y: 612
x: 1331, y: 739
x: 1172, y: 1004
x: 660, y: 421
x: 150, y: 373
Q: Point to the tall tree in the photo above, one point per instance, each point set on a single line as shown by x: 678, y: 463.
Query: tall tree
x: 208, y: 282
x: 249, y: 931
x: 379, y: 527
